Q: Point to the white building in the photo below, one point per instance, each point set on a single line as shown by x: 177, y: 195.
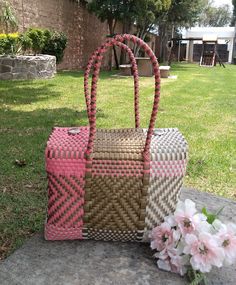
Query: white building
x: 224, y: 35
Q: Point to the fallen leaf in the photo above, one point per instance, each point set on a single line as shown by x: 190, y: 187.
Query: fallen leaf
x: 20, y: 163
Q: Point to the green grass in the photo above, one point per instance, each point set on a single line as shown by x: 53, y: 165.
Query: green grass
x: 201, y: 103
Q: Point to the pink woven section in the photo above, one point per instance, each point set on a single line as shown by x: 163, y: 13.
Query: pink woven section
x: 56, y: 233
x: 65, y: 165
x: 62, y: 145
x: 168, y: 168
x: 69, y: 167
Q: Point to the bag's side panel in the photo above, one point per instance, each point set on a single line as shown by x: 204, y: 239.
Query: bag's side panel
x: 65, y: 165
x: 167, y: 169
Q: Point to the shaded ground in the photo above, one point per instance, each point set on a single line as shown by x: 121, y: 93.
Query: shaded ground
x: 201, y: 103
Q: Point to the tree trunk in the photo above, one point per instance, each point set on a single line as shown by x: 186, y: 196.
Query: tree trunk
x: 112, y: 26
x: 116, y: 58
x: 143, y: 32
x: 163, y: 34
x: 125, y: 30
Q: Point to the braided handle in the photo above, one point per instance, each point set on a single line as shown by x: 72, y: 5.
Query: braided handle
x: 89, y: 66
x: 156, y: 71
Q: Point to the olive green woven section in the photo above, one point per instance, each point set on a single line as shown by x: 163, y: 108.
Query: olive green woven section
x: 114, y: 203
x: 116, y: 191
x: 121, y: 144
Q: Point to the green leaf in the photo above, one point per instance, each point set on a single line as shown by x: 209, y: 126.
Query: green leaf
x: 196, y: 277
x: 219, y: 211
x: 204, y: 211
x: 210, y: 217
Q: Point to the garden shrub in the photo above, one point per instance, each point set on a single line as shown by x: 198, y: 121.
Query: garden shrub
x: 34, y: 41
x: 9, y: 43
x: 25, y: 42
x: 37, y: 37
x: 55, y: 45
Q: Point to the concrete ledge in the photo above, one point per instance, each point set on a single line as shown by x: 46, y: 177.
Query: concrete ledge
x: 125, y: 69
x: 27, y: 67
x: 42, y: 262
x: 144, y: 66
x: 164, y: 71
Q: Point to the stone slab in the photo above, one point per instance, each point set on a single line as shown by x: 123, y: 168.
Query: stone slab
x: 164, y: 71
x: 42, y: 262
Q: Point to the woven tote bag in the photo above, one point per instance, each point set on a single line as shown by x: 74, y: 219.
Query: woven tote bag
x: 113, y: 184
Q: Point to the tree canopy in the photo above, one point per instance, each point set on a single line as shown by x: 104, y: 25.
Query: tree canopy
x: 215, y: 16
x: 112, y: 11
x: 233, y: 21
x: 183, y: 13
x: 141, y: 12
x: 147, y: 14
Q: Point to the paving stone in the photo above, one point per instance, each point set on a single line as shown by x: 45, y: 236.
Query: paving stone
x: 42, y: 262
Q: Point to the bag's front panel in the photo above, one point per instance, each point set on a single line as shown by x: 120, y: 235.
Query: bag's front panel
x: 115, y: 199
x: 167, y: 168
x: 115, y: 204
x: 65, y: 165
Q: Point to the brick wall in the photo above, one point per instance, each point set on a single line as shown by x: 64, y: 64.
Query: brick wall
x: 84, y: 31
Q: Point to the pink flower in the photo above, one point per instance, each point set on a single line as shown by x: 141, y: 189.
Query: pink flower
x: 204, y: 250
x: 227, y: 237
x: 162, y: 237
x: 178, y: 261
x: 178, y: 264
x: 187, y: 217
x: 164, y: 264
x: 170, y: 260
x: 187, y: 239
x: 171, y: 221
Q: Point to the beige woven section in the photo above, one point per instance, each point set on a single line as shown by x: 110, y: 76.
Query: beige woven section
x: 163, y: 195
x: 121, y: 144
x: 112, y: 235
x: 115, y: 200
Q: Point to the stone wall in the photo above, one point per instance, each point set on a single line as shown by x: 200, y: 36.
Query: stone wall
x: 27, y: 67
x: 84, y: 31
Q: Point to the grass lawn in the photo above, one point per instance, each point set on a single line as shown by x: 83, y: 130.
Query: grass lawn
x: 201, y: 103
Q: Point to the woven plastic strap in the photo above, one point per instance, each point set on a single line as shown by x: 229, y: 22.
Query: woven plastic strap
x: 89, y: 66
x: 97, y: 66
